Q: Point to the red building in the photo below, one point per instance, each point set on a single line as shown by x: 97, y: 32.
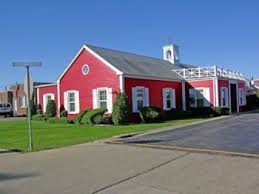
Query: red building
x: 96, y: 75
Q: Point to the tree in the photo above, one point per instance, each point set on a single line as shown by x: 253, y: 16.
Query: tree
x: 120, y: 113
x: 51, y: 109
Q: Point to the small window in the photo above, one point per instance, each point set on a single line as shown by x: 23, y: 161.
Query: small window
x: 102, y: 98
x: 168, y: 98
x: 168, y: 55
x: 22, y: 101
x: 71, y: 102
x: 241, y: 97
x: 85, y: 69
x: 224, y: 97
x: 140, y: 98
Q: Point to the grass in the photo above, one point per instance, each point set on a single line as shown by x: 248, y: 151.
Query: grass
x: 14, y: 134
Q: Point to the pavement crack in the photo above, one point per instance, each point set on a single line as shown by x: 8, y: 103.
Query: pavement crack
x: 141, y: 173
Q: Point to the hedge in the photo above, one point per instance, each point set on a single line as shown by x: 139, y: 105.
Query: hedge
x: 51, y: 109
x: 39, y: 117
x: 78, y: 118
x: 120, y: 113
x: 89, y: 117
x: 62, y: 120
x: 150, y: 114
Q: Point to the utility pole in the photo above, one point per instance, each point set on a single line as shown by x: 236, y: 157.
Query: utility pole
x: 29, y: 91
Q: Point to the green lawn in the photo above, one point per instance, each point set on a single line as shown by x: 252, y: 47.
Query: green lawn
x: 14, y: 134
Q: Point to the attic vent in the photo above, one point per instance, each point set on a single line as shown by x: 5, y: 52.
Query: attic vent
x: 85, y: 69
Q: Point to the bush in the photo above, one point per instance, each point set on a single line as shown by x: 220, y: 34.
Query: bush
x: 51, y: 109
x: 202, y: 111
x: 62, y: 120
x: 38, y: 109
x: 32, y: 108
x: 98, y: 119
x: 63, y: 113
x: 120, y: 113
x: 175, y: 114
x: 217, y: 111
x: 89, y: 116
x: 252, y: 102
x: 150, y: 114
x: 39, y: 117
x: 78, y: 118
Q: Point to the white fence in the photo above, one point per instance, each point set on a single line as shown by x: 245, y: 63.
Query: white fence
x: 202, y: 72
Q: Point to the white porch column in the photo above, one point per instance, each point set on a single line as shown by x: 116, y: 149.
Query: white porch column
x: 183, y: 96
x: 216, y: 91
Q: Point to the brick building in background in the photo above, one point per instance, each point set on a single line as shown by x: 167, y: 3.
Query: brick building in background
x: 17, y: 97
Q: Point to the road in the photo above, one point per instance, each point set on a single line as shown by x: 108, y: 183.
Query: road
x: 237, y: 133
x: 118, y: 169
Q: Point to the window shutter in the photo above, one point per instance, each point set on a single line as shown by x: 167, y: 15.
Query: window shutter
x: 206, y: 97
x: 146, y: 96
x: 227, y: 100
x: 94, y: 98
x: 77, y: 102
x: 172, y: 98
x: 65, y: 101
x: 44, y: 103
x: 109, y: 100
x: 134, y: 100
x: 192, y: 92
x: 164, y: 99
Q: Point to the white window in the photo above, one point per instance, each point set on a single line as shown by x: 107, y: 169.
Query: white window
x: 168, y: 55
x: 22, y: 101
x: 102, y: 98
x: 199, y: 97
x: 224, y: 97
x: 71, y: 101
x: 168, y: 98
x: 242, y: 97
x: 46, y: 98
x: 140, y: 98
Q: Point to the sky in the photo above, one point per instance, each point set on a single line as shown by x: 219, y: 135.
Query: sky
x: 219, y: 32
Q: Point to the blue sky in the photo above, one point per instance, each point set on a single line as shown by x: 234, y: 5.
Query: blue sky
x: 208, y: 32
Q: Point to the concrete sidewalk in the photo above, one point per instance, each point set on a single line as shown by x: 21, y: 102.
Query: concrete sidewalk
x: 104, y: 168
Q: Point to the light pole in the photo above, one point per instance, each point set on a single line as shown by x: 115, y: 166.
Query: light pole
x: 28, y: 92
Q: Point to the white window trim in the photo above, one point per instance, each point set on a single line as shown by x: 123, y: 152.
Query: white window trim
x: 45, y: 98
x: 172, y: 98
x: 145, y: 98
x: 227, y: 97
x: 241, y: 96
x: 96, y: 100
x: 77, y: 101
x: 206, y: 98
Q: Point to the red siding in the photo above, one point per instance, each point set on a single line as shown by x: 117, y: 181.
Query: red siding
x: 155, y: 91
x: 99, y: 75
x: 202, y: 84
x: 45, y: 90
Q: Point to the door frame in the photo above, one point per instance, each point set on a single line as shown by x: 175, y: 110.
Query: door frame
x: 237, y: 95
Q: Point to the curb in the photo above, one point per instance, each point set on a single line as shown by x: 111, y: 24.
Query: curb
x: 153, y: 131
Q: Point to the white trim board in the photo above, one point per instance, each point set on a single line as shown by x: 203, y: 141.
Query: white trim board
x: 118, y: 72
x: 45, y: 85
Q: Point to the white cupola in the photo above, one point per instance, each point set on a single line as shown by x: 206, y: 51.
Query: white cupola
x: 171, y: 53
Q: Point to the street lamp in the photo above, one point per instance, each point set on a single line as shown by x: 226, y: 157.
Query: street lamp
x: 28, y: 91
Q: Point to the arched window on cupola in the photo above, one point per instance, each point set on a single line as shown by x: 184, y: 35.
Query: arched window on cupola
x: 168, y: 55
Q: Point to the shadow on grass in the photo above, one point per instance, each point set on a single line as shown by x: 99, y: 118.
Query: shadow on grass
x: 10, y: 151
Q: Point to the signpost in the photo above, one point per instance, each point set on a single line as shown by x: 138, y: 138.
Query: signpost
x: 28, y: 87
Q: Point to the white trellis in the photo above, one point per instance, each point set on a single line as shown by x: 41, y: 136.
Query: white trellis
x: 203, y: 72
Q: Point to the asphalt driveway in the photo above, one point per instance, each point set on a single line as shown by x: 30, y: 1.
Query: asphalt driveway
x: 237, y: 133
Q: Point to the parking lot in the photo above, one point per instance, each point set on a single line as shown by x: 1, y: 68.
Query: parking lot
x: 237, y: 133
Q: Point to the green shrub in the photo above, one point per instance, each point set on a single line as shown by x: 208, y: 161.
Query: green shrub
x: 217, y: 111
x: 252, y: 102
x: 120, y: 113
x: 175, y: 114
x: 98, y: 119
x: 89, y: 116
x: 32, y: 108
x: 78, y: 118
x: 202, y: 112
x: 51, y: 109
x: 63, y: 113
x: 39, y: 117
x: 150, y: 114
x: 63, y: 120
x: 38, y: 109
